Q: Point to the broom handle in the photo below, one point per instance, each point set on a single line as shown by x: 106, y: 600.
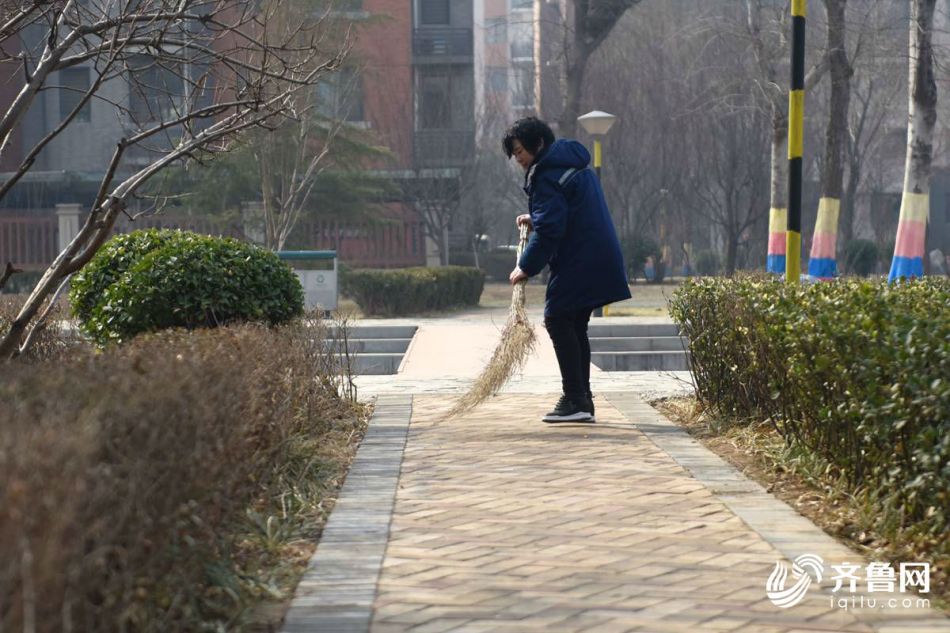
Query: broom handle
x: 522, y: 241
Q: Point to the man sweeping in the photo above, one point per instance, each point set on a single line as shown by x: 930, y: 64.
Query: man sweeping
x: 572, y: 232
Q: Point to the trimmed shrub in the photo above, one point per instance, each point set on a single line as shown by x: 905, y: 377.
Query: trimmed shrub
x: 405, y: 291
x: 855, y: 372
x: 116, y: 256
x: 861, y: 257
x: 152, y: 280
x: 497, y: 264
x: 124, y: 473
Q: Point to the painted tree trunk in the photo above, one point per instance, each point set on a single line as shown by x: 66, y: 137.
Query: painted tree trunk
x: 823, y: 260
x: 778, y: 192
x: 908, y: 259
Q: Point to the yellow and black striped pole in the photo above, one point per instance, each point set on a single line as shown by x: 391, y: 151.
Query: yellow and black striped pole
x: 796, y: 125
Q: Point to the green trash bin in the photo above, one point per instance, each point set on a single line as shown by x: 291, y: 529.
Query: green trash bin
x: 318, y: 274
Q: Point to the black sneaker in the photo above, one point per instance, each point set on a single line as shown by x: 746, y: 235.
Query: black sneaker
x: 590, y: 403
x: 567, y: 410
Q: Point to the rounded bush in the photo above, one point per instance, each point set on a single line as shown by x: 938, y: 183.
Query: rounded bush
x: 168, y: 279
x: 114, y: 258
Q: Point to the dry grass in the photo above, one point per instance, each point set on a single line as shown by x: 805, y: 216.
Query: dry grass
x: 168, y: 485
x: 51, y: 341
x: 760, y: 453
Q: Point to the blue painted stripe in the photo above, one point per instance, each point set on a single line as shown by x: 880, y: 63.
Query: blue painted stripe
x: 822, y: 267
x: 906, y: 267
x: 775, y: 264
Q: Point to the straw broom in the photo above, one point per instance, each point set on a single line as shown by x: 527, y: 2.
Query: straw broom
x: 517, y: 341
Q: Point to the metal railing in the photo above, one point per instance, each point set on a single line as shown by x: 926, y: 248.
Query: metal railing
x: 442, y: 42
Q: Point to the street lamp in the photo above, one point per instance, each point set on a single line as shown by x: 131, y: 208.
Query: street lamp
x: 597, y: 123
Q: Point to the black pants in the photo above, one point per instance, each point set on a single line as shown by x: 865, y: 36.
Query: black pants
x: 569, y: 334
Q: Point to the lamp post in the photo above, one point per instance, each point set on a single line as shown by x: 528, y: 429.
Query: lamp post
x: 597, y: 124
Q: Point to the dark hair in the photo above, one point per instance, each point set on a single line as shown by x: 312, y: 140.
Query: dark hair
x: 531, y: 132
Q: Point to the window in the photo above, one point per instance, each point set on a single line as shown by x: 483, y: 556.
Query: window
x: 522, y: 88
x: 496, y: 30
x: 74, y: 82
x: 340, y: 96
x: 496, y: 79
x: 521, y: 34
x: 434, y: 111
x: 434, y: 12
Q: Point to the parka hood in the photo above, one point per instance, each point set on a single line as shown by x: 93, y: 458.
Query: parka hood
x: 565, y: 153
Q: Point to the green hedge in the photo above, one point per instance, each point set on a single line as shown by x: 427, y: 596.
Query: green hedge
x: 157, y: 279
x: 496, y: 264
x: 856, y: 372
x: 405, y: 291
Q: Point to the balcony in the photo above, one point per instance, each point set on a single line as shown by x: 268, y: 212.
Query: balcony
x: 442, y: 46
x: 443, y: 148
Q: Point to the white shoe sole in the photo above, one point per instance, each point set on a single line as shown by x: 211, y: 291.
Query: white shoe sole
x: 580, y: 416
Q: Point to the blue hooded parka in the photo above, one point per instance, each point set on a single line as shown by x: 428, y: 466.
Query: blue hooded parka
x: 573, y: 232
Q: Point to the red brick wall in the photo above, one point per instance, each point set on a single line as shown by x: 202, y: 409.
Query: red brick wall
x: 385, y: 49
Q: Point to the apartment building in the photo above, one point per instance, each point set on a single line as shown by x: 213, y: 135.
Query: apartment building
x: 516, y: 62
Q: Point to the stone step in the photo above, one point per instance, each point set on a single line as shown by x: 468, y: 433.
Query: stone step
x: 372, y: 345
x: 631, y: 330
x: 375, y: 364
x: 377, y: 331
x: 374, y: 349
x: 641, y: 361
x: 637, y: 344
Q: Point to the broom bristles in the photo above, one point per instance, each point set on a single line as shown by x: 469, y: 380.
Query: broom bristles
x: 517, y: 342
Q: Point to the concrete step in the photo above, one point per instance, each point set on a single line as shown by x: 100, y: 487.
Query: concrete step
x: 631, y: 330
x: 374, y: 349
x: 637, y: 344
x: 373, y: 345
x: 375, y: 364
x: 641, y: 361
x: 378, y: 331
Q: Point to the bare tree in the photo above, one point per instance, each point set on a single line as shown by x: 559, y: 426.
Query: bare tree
x: 874, y: 90
x: 589, y: 24
x: 822, y: 262
x: 199, y: 73
x: 922, y: 115
x: 729, y: 181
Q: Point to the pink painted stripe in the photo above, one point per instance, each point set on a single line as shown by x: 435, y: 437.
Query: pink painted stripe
x: 911, y: 237
x: 823, y: 245
x: 776, y: 243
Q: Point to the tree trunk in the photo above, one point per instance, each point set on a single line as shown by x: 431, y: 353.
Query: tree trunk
x: 574, y: 76
x: 778, y: 191
x: 822, y: 262
x: 908, y: 259
x: 732, y: 252
x: 849, y: 202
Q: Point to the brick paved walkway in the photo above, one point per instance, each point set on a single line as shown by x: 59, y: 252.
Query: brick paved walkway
x: 497, y: 522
